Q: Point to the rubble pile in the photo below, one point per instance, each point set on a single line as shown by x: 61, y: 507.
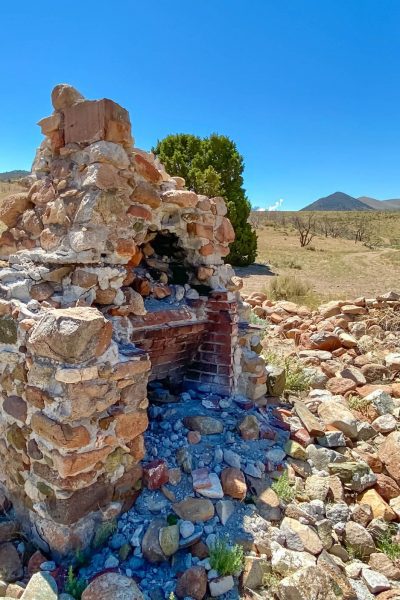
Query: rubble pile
x: 306, y: 483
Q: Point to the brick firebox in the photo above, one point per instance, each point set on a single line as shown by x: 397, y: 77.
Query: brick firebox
x: 190, y: 349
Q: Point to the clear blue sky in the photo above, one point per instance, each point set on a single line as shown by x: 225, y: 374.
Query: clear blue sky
x: 308, y: 89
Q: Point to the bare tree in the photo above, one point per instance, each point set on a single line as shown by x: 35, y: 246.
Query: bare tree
x: 361, y: 231
x: 305, y: 227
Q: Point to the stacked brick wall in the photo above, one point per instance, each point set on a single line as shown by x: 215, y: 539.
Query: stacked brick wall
x: 171, y: 339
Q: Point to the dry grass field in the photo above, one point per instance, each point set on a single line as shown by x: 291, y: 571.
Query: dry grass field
x: 9, y: 188
x: 330, y: 267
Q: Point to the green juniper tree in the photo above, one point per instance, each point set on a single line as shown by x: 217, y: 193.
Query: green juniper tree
x: 214, y: 167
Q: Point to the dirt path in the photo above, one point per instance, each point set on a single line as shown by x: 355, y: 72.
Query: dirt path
x: 352, y: 274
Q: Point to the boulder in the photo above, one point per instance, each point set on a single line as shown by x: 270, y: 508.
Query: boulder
x: 64, y: 95
x: 385, y: 424
x: 151, y: 547
x: 221, y: 585
x: 356, y: 476
x: 155, y: 474
x: 359, y: 539
x: 225, y: 509
x: 309, y: 583
x: 374, y: 372
x: 249, y: 427
x: 386, y: 487
x: 336, y: 414
x: 286, y: 562
x: 383, y: 564
x: 268, y: 505
x: 324, y: 340
x: 389, y: 453
x: 276, y: 380
x: 10, y: 563
x: 110, y: 586
x: 70, y: 335
x: 204, y: 425
x: 254, y: 571
x: 192, y: 583
x: 194, y: 509
x: 380, y: 509
x: 354, y: 374
x: 317, y: 487
x: 233, y: 483
x: 169, y: 539
x: 376, y: 582
x: 382, y: 401
x: 295, y: 450
x: 340, y: 385
x: 300, y: 537
x: 41, y: 586
x: 310, y: 422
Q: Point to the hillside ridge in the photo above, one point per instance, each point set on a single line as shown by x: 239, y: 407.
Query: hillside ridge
x: 339, y: 201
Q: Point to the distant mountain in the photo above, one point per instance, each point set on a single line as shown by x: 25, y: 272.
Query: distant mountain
x: 371, y: 202
x: 338, y: 201
x: 11, y: 175
x: 342, y: 202
x: 393, y: 204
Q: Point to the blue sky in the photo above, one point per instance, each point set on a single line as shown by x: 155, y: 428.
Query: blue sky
x: 308, y: 89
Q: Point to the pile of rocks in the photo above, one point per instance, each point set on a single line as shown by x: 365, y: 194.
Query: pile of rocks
x: 307, y: 486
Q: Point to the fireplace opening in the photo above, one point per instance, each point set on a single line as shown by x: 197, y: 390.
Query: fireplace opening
x: 164, y: 255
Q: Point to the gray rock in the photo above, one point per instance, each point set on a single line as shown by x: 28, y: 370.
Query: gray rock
x: 186, y: 529
x: 359, y: 539
x: 232, y: 458
x: 332, y: 439
x: 151, y: 548
x: 41, y: 586
x: 361, y: 590
x: 221, y: 585
x: 10, y: 563
x: 322, y: 457
x: 309, y: 583
x: 338, y: 512
x: 376, y: 582
x: 382, y: 401
x: 356, y: 476
x: 286, y: 562
x: 225, y: 509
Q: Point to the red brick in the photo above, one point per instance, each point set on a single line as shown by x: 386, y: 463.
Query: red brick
x: 140, y: 212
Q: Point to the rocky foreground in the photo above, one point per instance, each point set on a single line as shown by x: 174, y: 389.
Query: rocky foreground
x: 295, y: 498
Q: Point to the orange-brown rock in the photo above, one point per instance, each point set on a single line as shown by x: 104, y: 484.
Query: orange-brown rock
x: 340, y: 385
x: 89, y: 121
x: 147, y: 169
x: 75, y: 463
x: 192, y: 583
x: 387, y: 487
x: 145, y: 193
x: 225, y: 232
x: 140, y: 212
x: 130, y: 425
x: 233, y: 483
x: 60, y: 435
x: 11, y: 207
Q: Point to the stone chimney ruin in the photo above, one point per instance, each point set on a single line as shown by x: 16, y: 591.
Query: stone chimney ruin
x: 112, y: 275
